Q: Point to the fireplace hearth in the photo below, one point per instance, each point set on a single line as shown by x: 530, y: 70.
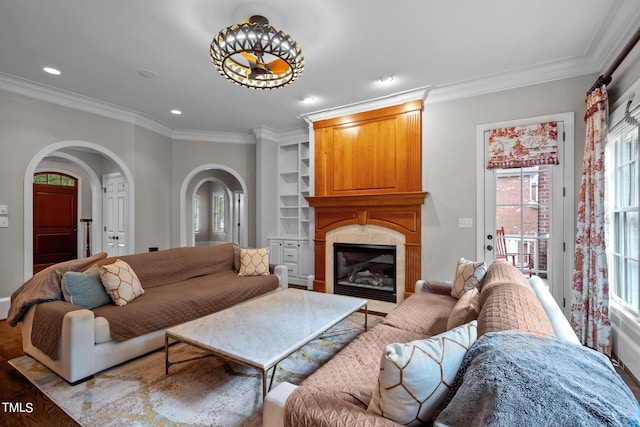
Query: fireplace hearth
x: 365, y: 271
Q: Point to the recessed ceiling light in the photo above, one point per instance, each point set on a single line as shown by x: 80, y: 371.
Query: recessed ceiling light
x: 148, y: 74
x: 309, y: 99
x: 51, y: 70
x: 176, y: 112
x: 384, y: 80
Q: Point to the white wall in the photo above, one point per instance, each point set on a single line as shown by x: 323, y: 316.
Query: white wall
x: 158, y: 164
x: 449, y: 160
x: 28, y: 126
x: 152, y: 176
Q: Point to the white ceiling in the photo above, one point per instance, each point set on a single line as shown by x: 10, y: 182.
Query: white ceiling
x: 456, y: 47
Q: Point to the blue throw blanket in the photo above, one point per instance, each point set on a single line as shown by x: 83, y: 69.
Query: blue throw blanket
x: 511, y: 378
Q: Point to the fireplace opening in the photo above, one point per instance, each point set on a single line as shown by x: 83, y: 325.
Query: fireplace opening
x: 365, y: 271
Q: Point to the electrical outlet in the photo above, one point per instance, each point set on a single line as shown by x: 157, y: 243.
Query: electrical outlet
x: 4, y: 209
x: 4, y: 222
x: 465, y: 222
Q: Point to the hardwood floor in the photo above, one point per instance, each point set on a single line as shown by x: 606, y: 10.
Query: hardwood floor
x: 17, y: 390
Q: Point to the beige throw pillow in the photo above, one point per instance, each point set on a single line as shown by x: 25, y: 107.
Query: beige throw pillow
x: 254, y: 262
x: 416, y: 377
x: 120, y: 282
x: 469, y: 275
x: 466, y: 309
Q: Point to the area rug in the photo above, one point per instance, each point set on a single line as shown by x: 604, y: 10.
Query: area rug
x: 204, y: 392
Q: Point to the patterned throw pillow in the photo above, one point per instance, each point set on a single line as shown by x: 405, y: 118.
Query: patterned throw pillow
x: 416, y: 377
x: 84, y: 289
x: 120, y: 282
x: 254, y: 262
x: 467, y: 308
x: 469, y: 275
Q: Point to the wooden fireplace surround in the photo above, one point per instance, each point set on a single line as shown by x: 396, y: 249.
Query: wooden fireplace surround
x: 368, y: 171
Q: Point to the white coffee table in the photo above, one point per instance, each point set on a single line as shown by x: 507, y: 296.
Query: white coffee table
x: 264, y: 331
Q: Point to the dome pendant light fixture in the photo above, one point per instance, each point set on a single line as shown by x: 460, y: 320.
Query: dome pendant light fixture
x: 256, y: 55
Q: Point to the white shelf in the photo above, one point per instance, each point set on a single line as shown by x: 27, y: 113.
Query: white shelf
x: 294, y: 213
x: 293, y: 186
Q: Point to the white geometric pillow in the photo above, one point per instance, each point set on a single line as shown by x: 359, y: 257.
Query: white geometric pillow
x: 254, y: 262
x: 469, y: 275
x: 120, y: 282
x: 416, y: 377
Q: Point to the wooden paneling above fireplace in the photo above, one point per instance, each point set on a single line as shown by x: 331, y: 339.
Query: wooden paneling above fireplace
x: 368, y: 171
x: 369, y: 153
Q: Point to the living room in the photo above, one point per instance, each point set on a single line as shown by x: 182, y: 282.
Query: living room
x: 48, y: 124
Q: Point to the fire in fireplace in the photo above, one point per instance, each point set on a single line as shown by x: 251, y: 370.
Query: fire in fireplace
x: 365, y: 271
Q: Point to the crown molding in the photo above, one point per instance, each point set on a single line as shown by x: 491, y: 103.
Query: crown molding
x: 513, y: 79
x: 618, y: 27
x: 45, y: 93
x: 281, y: 137
x: 63, y: 98
x: 219, y: 137
x: 367, y: 105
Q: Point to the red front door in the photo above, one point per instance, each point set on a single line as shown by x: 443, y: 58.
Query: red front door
x: 55, y: 213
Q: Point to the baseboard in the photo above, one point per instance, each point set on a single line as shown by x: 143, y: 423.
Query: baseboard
x: 4, y: 307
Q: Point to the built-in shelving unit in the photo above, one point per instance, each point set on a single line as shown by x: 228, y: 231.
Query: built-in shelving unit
x: 291, y: 246
x: 293, y: 186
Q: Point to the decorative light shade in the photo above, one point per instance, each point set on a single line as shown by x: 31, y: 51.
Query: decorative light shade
x: 256, y: 55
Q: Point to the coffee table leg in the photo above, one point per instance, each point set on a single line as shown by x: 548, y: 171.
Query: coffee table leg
x: 265, y: 372
x: 166, y: 354
x: 366, y: 315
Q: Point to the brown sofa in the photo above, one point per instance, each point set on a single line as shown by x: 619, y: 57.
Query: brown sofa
x: 180, y: 285
x: 339, y: 393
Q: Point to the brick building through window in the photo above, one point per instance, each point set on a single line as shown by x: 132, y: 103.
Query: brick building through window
x: 523, y: 202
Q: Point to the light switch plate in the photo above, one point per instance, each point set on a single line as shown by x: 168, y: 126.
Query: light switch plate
x: 465, y: 222
x: 4, y: 222
x: 4, y: 209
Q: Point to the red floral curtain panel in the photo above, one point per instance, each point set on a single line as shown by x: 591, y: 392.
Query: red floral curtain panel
x: 523, y: 146
x: 590, y: 293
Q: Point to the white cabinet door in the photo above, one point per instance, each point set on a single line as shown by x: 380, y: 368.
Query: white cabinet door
x: 305, y: 259
x: 275, y: 251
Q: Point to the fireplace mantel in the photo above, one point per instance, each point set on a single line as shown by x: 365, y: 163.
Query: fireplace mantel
x: 397, y: 211
x: 368, y: 172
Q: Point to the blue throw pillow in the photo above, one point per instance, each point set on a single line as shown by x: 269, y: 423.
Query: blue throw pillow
x: 85, y: 289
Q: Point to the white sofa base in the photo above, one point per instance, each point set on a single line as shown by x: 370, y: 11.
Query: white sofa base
x: 79, y: 358
x: 274, y: 403
x: 83, y: 352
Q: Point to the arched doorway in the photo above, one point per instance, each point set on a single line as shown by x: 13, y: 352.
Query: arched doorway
x: 214, y: 219
x: 231, y: 185
x: 74, y: 153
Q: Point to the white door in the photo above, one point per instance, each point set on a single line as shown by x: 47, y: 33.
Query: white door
x: 115, y: 204
x: 530, y: 206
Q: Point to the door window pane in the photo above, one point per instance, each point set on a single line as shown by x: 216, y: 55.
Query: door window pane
x: 523, y: 208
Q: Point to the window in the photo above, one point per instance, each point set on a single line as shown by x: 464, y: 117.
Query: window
x: 49, y: 178
x: 196, y: 214
x: 624, y: 242
x: 533, y: 187
x: 217, y: 210
x: 523, y: 206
